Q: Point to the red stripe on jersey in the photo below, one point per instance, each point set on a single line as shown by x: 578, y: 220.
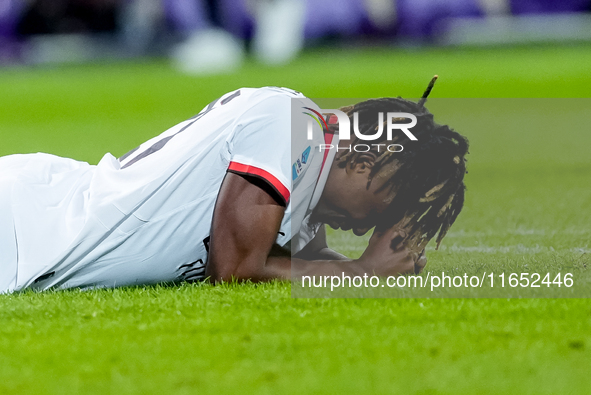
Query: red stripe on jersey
x: 327, y: 140
x: 265, y: 175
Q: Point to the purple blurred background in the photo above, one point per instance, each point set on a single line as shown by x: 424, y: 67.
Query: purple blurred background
x: 143, y: 26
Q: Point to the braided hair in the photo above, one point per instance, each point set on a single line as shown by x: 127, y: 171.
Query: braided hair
x: 425, y: 180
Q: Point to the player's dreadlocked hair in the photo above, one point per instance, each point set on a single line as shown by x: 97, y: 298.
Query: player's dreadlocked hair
x: 425, y: 179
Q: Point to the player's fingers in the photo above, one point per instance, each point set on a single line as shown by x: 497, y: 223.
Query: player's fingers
x: 420, y: 263
x: 406, y: 265
x: 392, y: 236
x: 402, y: 260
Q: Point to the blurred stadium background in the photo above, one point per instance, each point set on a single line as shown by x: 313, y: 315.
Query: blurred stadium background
x: 210, y: 35
x: 80, y: 78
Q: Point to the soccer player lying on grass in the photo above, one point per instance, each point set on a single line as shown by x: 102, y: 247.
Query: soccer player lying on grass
x: 231, y: 194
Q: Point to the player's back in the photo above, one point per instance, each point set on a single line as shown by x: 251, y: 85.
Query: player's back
x: 146, y: 217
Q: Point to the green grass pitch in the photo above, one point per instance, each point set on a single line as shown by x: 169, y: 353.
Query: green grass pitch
x: 528, y: 203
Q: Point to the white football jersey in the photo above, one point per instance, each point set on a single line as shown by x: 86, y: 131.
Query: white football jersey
x: 145, y: 218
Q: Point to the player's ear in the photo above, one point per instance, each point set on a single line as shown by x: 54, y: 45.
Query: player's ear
x: 363, y: 163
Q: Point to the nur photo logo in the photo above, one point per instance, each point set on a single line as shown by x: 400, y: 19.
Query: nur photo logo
x: 389, y: 122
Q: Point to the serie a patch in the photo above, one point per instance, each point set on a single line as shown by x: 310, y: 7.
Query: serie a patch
x: 300, y: 163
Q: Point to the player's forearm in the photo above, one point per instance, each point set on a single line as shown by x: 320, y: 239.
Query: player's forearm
x: 282, y: 266
x: 294, y: 268
x: 322, y: 254
x: 287, y: 268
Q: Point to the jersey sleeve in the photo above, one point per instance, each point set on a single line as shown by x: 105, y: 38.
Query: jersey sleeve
x: 261, y: 144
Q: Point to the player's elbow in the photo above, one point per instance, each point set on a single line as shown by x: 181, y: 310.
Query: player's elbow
x: 237, y: 269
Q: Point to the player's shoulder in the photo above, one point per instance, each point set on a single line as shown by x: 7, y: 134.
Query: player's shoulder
x: 282, y: 109
x: 274, y: 91
x: 281, y: 96
x: 270, y: 101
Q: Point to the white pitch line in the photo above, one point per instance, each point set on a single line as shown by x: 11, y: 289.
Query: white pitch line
x: 512, y: 249
x: 518, y: 232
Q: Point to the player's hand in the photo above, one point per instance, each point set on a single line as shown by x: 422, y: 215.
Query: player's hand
x: 421, y: 263
x: 389, y: 254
